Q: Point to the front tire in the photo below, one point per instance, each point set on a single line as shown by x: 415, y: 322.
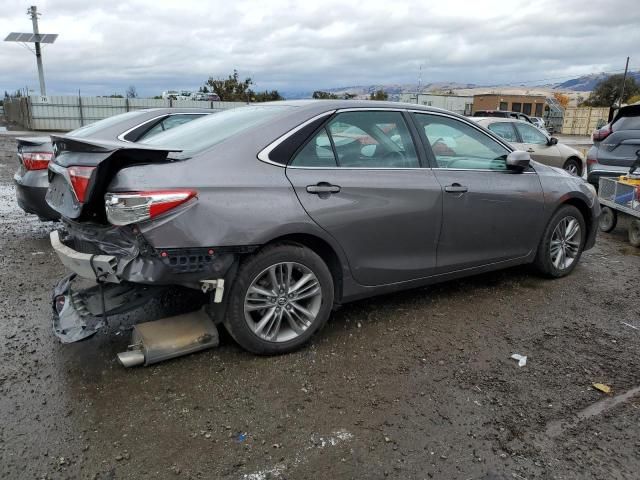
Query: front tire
x: 573, y: 166
x: 281, y: 297
x: 562, y: 243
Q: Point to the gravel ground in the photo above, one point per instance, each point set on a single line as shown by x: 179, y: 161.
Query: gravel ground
x: 412, y: 385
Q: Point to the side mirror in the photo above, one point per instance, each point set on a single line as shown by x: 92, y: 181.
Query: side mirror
x: 552, y: 141
x: 519, y: 159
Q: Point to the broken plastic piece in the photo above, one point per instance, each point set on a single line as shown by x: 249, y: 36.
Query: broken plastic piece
x: 522, y: 359
x: 602, y: 387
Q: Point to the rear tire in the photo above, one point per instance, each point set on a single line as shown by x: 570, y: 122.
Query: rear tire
x: 608, y: 219
x: 562, y: 243
x: 281, y: 297
x: 634, y: 233
x: 573, y: 166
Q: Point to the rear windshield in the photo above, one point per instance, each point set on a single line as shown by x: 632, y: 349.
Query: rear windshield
x: 627, y: 123
x: 201, y: 134
x: 91, y: 129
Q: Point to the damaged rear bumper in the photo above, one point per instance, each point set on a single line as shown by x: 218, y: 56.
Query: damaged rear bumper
x: 77, y: 305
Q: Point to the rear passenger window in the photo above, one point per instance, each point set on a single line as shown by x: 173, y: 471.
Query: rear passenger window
x: 504, y: 130
x: 316, y: 153
x: 363, y: 139
x: 372, y: 139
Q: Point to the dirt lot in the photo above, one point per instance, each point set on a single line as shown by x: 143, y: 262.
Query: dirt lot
x: 413, y: 385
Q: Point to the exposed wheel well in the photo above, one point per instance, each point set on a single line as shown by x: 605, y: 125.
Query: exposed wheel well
x: 324, y: 250
x: 584, y: 210
x: 580, y: 165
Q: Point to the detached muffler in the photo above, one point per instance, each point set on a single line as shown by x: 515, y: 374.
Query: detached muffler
x: 153, y: 342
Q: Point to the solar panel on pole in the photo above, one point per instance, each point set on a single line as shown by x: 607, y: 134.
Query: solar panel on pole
x: 37, y: 38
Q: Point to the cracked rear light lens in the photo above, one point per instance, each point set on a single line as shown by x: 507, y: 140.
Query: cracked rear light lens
x: 80, y: 177
x: 36, y: 160
x: 132, y: 207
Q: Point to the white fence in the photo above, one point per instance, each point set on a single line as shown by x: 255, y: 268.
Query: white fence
x: 69, y: 112
x: 584, y: 120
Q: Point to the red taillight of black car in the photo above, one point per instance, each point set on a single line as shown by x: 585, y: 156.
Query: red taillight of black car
x: 36, y: 160
x: 80, y: 178
x: 124, y: 208
x: 602, y: 133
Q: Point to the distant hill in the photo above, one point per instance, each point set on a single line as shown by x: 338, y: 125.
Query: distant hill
x: 586, y: 83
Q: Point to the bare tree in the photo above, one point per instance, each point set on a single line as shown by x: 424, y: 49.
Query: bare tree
x: 131, y: 92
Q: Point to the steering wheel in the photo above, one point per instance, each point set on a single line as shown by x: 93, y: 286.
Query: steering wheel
x: 395, y: 155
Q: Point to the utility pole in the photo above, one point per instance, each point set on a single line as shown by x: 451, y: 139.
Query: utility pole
x: 37, y: 38
x: 624, y: 80
x: 33, y: 12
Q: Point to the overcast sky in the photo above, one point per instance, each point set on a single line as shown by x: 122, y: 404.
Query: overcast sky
x: 296, y: 46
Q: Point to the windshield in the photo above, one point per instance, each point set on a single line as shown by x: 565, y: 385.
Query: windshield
x: 201, y: 134
x: 93, y: 128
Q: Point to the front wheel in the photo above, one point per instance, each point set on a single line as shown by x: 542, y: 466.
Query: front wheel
x: 562, y: 243
x: 574, y: 167
x: 281, y: 297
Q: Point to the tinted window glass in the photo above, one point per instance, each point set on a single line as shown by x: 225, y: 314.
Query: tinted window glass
x: 169, y: 123
x: 627, y: 123
x: 372, y: 139
x: 210, y: 130
x: 531, y: 134
x: 456, y: 144
x: 316, y: 153
x: 95, y: 127
x: 504, y: 130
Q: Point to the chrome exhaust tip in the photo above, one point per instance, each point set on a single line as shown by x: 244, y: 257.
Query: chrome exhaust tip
x: 131, y: 358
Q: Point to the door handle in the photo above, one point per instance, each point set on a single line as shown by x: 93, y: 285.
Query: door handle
x: 531, y: 150
x: 456, y: 188
x: 323, y: 187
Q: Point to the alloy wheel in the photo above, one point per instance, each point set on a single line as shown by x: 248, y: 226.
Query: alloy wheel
x: 565, y: 243
x: 572, y: 168
x: 282, y: 302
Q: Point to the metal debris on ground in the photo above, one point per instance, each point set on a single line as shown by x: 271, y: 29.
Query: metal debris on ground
x: 629, y: 325
x: 522, y: 359
x: 603, y: 388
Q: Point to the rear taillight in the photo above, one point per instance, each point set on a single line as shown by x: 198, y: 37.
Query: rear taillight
x: 602, y: 133
x: 80, y: 177
x: 36, y: 160
x: 132, y: 207
x: 592, y: 156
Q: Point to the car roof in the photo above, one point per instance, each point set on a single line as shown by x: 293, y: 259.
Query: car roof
x: 319, y: 106
x: 498, y: 119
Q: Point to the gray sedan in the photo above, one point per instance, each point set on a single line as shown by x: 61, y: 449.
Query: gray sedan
x: 34, y: 153
x: 284, y: 210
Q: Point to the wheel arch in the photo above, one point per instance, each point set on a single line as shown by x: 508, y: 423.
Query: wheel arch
x: 335, y: 262
x: 577, y: 159
x: 584, y: 209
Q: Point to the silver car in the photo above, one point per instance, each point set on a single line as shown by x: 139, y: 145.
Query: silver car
x: 542, y: 147
x: 282, y: 211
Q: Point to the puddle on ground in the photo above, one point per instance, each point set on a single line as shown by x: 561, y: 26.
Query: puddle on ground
x: 630, y: 251
x: 558, y: 427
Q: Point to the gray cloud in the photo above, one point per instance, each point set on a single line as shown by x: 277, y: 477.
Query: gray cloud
x: 156, y: 45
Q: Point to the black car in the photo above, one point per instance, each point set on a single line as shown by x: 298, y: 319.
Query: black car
x: 615, y: 146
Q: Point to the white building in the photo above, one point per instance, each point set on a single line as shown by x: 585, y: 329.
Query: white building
x: 454, y: 103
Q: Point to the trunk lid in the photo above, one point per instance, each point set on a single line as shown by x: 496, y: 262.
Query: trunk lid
x: 82, y: 169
